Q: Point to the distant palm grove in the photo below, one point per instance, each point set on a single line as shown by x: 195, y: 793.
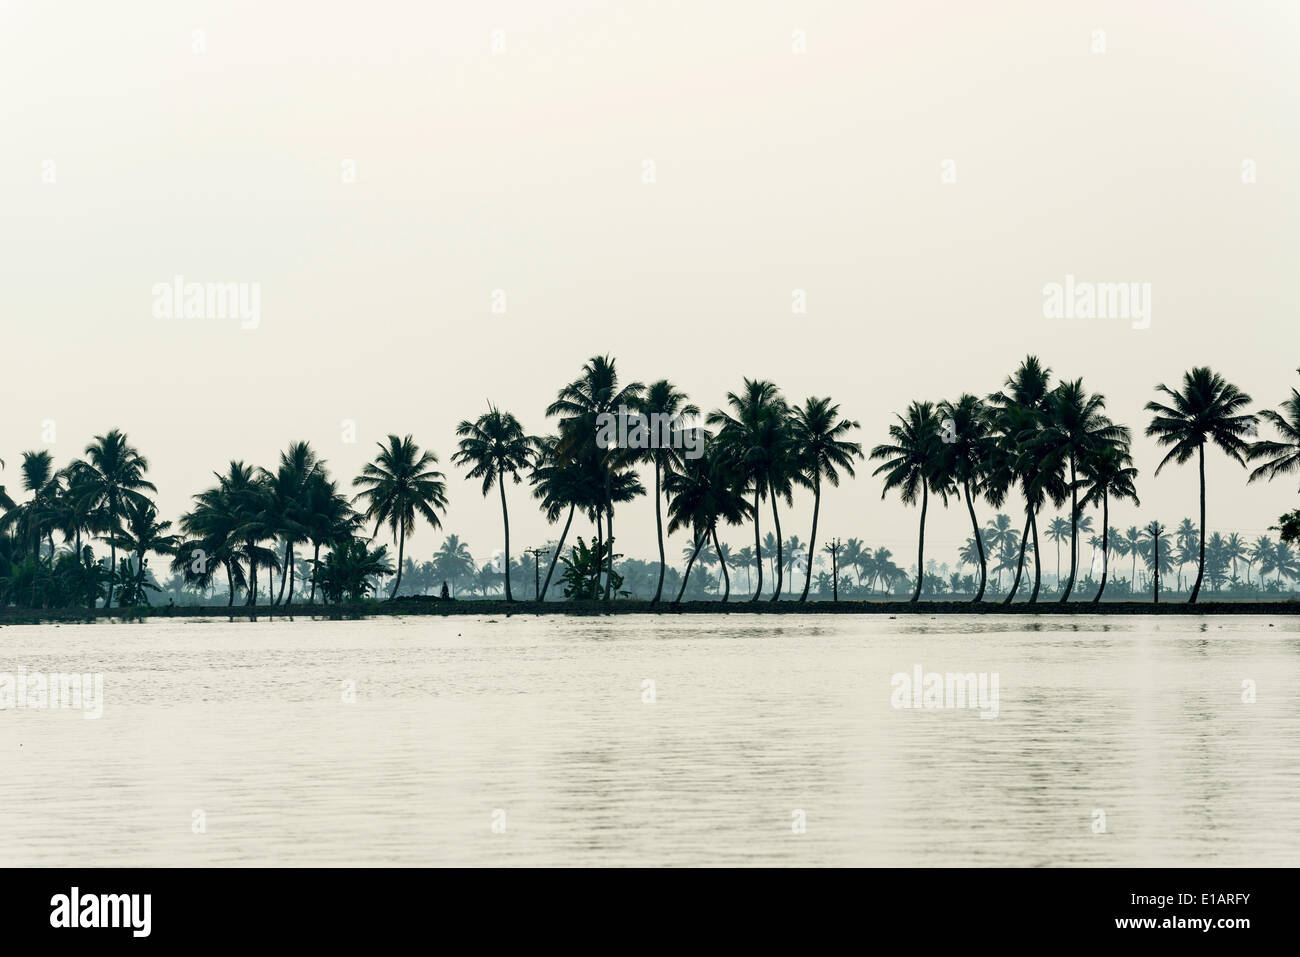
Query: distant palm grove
x: 87, y: 534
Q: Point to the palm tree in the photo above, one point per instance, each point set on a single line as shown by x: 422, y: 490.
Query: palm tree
x: 663, y: 401
x: 1263, y: 552
x: 1058, y: 530
x: 745, y: 559
x: 453, y: 561
x: 1075, y: 424
x: 965, y: 460
x: 1187, y: 539
x: 580, y: 406
x: 1233, y: 549
x: 910, y: 465
x: 141, y: 534
x: 329, y: 517
x: 818, y: 434
x: 1133, y: 546
x: 1021, y: 414
x: 290, y: 488
x: 1107, y: 472
x: 111, y: 475
x: 398, y: 486
x: 754, y: 439
x: 494, y: 446
x: 998, y: 536
x: 703, y: 492
x: 1156, y: 531
x: 1283, y: 455
x: 561, y: 484
x: 1207, y: 407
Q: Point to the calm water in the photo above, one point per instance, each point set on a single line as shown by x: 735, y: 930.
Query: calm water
x: 752, y: 719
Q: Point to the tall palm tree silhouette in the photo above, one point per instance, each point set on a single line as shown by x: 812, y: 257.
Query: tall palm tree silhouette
x: 754, y: 441
x: 580, y: 406
x: 1107, y: 473
x: 493, y: 447
x: 398, y: 486
x: 663, y: 399
x: 113, y: 473
x: 1206, y: 408
x: 1075, y: 424
x: 965, y: 459
x: 910, y: 464
x: 819, y: 436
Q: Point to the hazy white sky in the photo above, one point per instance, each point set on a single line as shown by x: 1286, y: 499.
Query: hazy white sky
x: 522, y: 170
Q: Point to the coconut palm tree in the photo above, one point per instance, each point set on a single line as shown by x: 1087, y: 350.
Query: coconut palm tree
x: 1107, y: 473
x: 1075, y: 424
x: 290, y: 487
x: 1283, y: 453
x: 1155, y: 560
x: 1207, y: 408
x: 1263, y: 552
x: 663, y: 401
x: 453, y: 561
x: 1020, y: 415
x: 563, y: 485
x: 704, y: 492
x: 910, y: 465
x: 328, y: 517
x: 111, y: 475
x: 1058, y: 530
x: 494, y: 446
x: 1133, y: 546
x: 745, y: 560
x: 965, y: 460
x: 399, y: 486
x: 819, y: 437
x: 141, y: 534
x: 580, y: 406
x: 754, y: 440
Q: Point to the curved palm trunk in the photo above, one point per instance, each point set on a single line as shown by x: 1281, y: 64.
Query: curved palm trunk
x: 288, y: 571
x: 979, y: 544
x: 609, y: 564
x: 1074, y: 533
x: 776, y: 520
x: 600, y: 545
x: 812, y: 539
x: 401, y: 547
x: 1105, y: 546
x: 252, y: 577
x: 1038, y: 565
x: 505, y: 520
x: 726, y: 578
x: 699, y: 543
x: 659, y: 533
x: 230, y: 581
x: 920, y: 547
x: 758, y: 549
x: 314, y: 561
x: 560, y: 547
x: 1200, y: 564
x: 1020, y: 565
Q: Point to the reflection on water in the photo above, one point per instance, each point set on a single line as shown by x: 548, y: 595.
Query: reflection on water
x: 753, y: 719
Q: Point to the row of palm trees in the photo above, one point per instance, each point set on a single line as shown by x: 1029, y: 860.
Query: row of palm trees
x: 1056, y: 443
x: 1044, y: 442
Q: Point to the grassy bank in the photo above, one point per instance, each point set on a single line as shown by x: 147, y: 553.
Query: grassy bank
x: 416, y: 606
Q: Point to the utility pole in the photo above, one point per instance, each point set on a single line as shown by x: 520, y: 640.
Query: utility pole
x: 538, y: 554
x: 834, y: 548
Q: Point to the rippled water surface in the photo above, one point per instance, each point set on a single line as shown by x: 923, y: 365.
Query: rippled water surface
x: 544, y: 722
